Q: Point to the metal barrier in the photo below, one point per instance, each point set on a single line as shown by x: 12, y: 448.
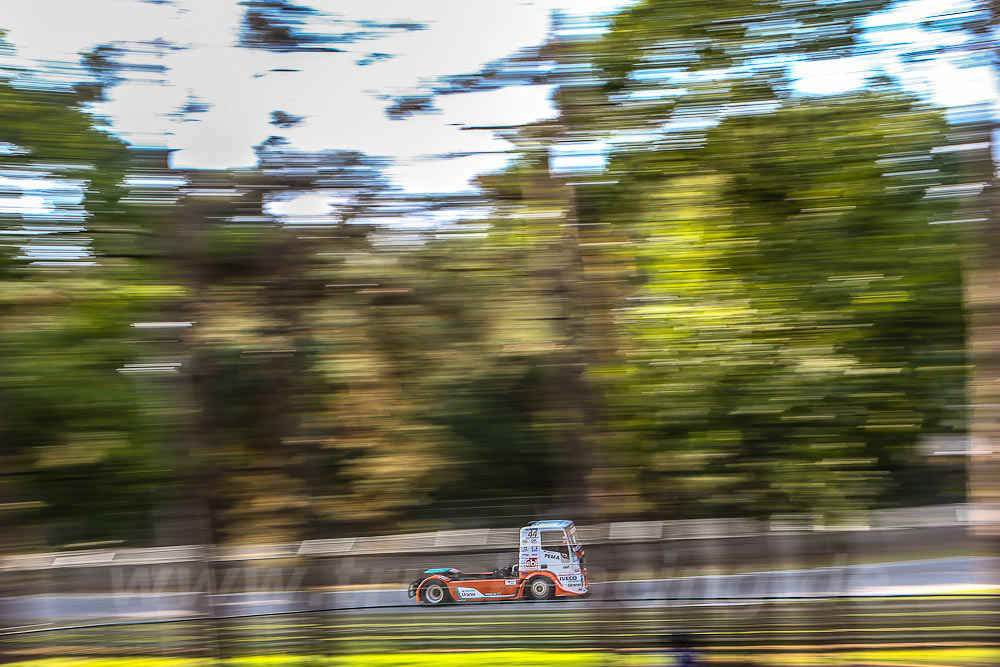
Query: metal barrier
x: 453, y: 541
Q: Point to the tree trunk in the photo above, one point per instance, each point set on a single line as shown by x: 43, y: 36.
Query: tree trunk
x: 982, y: 302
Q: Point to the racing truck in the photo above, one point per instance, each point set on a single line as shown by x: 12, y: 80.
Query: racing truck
x: 550, y: 564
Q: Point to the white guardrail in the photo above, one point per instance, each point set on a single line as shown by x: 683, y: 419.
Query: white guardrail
x: 500, y: 538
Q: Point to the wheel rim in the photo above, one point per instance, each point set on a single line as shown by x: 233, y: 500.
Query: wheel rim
x: 434, y: 594
x: 539, y: 588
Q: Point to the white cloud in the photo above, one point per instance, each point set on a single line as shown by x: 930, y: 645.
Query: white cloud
x: 26, y: 205
x: 223, y: 140
x: 452, y: 175
x: 506, y: 106
x: 828, y: 76
x: 61, y: 29
x: 954, y: 86
x: 305, y: 204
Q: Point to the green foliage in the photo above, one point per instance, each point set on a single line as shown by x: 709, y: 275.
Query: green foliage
x: 799, y: 329
x: 746, y: 311
x: 70, y: 427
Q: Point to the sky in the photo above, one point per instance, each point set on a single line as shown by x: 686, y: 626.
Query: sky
x: 343, y: 103
x: 942, y: 80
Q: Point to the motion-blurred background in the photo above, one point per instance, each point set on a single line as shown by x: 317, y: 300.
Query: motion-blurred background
x: 299, y: 299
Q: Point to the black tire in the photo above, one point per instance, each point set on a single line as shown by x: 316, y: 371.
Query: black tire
x: 434, y: 593
x: 539, y: 588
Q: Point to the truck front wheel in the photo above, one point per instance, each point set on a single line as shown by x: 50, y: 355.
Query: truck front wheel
x: 434, y: 593
x: 540, y: 588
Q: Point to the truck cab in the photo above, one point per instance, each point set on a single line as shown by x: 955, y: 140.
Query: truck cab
x: 551, y: 546
x: 550, y: 564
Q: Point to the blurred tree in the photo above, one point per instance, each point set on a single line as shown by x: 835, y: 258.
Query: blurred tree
x: 72, y: 450
x: 710, y: 119
x: 737, y: 305
x: 303, y: 397
x: 800, y: 328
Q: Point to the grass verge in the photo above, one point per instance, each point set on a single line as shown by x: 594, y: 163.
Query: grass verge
x: 944, y: 657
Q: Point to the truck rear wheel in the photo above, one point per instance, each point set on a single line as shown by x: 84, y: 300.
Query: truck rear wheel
x: 540, y: 588
x: 434, y: 593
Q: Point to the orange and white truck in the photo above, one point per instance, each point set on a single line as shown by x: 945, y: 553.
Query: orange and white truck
x: 550, y: 564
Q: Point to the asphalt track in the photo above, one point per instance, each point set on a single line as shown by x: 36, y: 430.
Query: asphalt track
x: 931, y: 576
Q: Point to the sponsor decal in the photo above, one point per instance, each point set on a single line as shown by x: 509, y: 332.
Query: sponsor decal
x: 510, y: 582
x: 473, y: 594
x: 530, y: 563
x: 569, y: 577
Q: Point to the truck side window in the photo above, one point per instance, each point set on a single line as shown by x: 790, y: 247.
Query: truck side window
x: 552, y: 540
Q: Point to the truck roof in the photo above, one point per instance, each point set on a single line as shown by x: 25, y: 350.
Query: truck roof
x: 552, y: 523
